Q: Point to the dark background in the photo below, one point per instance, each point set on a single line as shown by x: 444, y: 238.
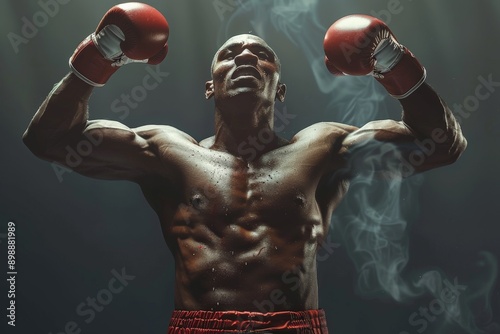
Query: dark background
x: 73, y: 231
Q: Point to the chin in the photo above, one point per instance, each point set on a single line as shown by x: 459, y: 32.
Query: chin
x: 244, y: 92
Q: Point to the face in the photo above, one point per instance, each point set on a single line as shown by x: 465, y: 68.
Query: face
x: 245, y: 66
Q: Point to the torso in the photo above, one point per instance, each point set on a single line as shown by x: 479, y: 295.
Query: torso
x: 244, y: 235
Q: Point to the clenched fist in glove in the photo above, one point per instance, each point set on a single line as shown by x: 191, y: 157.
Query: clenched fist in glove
x: 364, y: 45
x: 129, y: 32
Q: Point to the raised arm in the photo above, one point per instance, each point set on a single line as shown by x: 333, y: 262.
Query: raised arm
x: 60, y: 130
x: 428, y: 136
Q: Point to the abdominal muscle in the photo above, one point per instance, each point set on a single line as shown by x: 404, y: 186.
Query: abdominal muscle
x: 244, y: 236
x: 245, y: 268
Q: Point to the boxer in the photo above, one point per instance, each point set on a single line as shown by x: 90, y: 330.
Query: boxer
x: 238, y: 223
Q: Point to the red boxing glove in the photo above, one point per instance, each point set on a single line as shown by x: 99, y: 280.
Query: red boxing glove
x: 129, y: 32
x: 364, y: 45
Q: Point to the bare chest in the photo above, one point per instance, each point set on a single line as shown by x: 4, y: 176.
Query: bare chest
x: 217, y: 191
x: 216, y: 182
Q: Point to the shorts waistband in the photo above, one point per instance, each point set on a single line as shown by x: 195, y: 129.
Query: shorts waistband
x: 205, y: 322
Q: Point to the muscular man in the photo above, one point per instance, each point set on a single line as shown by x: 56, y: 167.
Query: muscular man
x: 237, y: 222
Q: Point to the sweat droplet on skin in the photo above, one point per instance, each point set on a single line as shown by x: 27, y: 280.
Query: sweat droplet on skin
x: 260, y: 251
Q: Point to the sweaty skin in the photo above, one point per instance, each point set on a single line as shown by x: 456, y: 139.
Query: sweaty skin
x: 243, y: 226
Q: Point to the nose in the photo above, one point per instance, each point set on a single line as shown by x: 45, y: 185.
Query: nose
x: 246, y: 57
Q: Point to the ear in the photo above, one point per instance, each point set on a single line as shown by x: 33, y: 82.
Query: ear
x: 281, y: 92
x: 209, y: 89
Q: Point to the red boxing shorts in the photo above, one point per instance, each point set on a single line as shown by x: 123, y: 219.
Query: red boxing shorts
x: 284, y: 322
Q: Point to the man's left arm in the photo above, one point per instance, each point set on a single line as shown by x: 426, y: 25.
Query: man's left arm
x: 437, y: 133
x: 428, y: 136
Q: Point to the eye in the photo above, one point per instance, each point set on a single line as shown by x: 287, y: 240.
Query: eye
x: 263, y: 55
x: 227, y: 55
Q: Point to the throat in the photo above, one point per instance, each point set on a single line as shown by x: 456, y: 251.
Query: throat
x: 249, y: 146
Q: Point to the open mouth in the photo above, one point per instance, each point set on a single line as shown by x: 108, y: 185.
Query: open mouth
x: 246, y: 71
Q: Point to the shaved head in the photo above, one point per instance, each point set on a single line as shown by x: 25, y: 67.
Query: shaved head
x: 239, y: 39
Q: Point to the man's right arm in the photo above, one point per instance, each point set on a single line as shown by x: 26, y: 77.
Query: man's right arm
x: 63, y: 115
x: 60, y: 130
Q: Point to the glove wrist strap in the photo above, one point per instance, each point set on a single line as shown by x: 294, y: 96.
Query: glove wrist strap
x: 108, y: 41
x: 404, y: 78
x: 387, y: 53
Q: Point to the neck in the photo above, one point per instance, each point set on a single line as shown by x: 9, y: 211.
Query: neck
x: 246, y: 134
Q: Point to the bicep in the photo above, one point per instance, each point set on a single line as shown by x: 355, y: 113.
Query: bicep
x: 109, y: 150
x: 381, y: 131
x: 388, y: 148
